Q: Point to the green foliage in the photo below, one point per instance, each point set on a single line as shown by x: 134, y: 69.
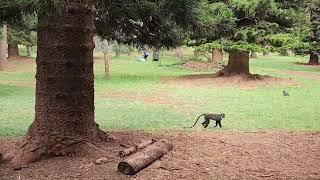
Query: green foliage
x: 219, y: 12
x: 120, y: 49
x: 231, y: 46
x: 308, y: 30
x: 153, y: 23
x: 24, y: 37
x: 210, y: 46
x: 284, y: 42
x: 103, y: 46
x: 13, y: 11
x: 254, y: 25
x: 194, y: 58
x: 106, y: 46
x: 23, y: 32
x: 157, y: 24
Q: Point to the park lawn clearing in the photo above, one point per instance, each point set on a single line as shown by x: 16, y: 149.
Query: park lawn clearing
x: 153, y: 96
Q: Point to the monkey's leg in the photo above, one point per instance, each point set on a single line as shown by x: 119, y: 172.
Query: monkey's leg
x: 216, y: 124
x: 206, y: 122
x: 220, y: 124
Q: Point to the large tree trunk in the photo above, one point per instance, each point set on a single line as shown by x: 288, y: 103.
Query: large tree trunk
x: 238, y: 64
x: 13, y: 50
x: 64, y: 110
x: 314, y: 59
x: 314, y: 33
x: 217, y: 56
x: 3, y: 47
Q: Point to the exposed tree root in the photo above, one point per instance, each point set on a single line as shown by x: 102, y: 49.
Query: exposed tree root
x: 35, y: 148
x: 225, y: 73
x: 308, y: 64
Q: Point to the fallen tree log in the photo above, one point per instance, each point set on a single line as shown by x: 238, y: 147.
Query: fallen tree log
x: 127, y: 152
x: 141, y: 159
x: 131, y: 150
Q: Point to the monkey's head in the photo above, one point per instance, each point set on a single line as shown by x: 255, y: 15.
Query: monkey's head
x: 223, y: 115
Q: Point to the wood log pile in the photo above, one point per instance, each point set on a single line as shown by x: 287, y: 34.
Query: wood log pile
x: 142, y: 155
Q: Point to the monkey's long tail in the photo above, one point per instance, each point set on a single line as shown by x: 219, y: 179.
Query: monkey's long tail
x: 197, y: 120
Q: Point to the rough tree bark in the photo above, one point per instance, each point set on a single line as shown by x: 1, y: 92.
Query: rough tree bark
x: 141, y: 159
x: 3, y: 47
x: 217, y: 56
x: 131, y: 150
x: 64, y: 110
x: 106, y: 65
x: 13, y: 50
x: 314, y: 59
x: 238, y: 64
x: 314, y: 32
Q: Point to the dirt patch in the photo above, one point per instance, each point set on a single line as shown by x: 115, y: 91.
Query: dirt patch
x: 306, y: 64
x: 232, y: 81
x: 19, y: 63
x: 308, y: 75
x: 200, y: 66
x: 98, y: 60
x: 197, y: 155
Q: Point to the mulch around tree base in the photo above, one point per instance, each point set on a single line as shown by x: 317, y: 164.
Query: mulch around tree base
x: 203, y: 154
x: 306, y: 64
x: 241, y: 81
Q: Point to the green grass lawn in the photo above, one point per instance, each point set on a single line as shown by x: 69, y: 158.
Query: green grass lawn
x: 247, y: 109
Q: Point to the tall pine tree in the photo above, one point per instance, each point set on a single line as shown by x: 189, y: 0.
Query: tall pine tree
x: 64, y: 109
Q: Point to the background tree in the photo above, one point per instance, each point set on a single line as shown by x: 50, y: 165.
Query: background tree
x: 13, y: 50
x: 24, y: 33
x: 3, y: 45
x: 246, y: 26
x: 119, y: 48
x: 64, y: 110
x: 315, y: 32
x: 105, y: 47
x: 29, y: 41
x: 64, y: 118
x: 309, y: 42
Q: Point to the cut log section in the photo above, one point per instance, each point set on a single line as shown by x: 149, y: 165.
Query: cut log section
x: 141, y: 159
x: 131, y: 150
